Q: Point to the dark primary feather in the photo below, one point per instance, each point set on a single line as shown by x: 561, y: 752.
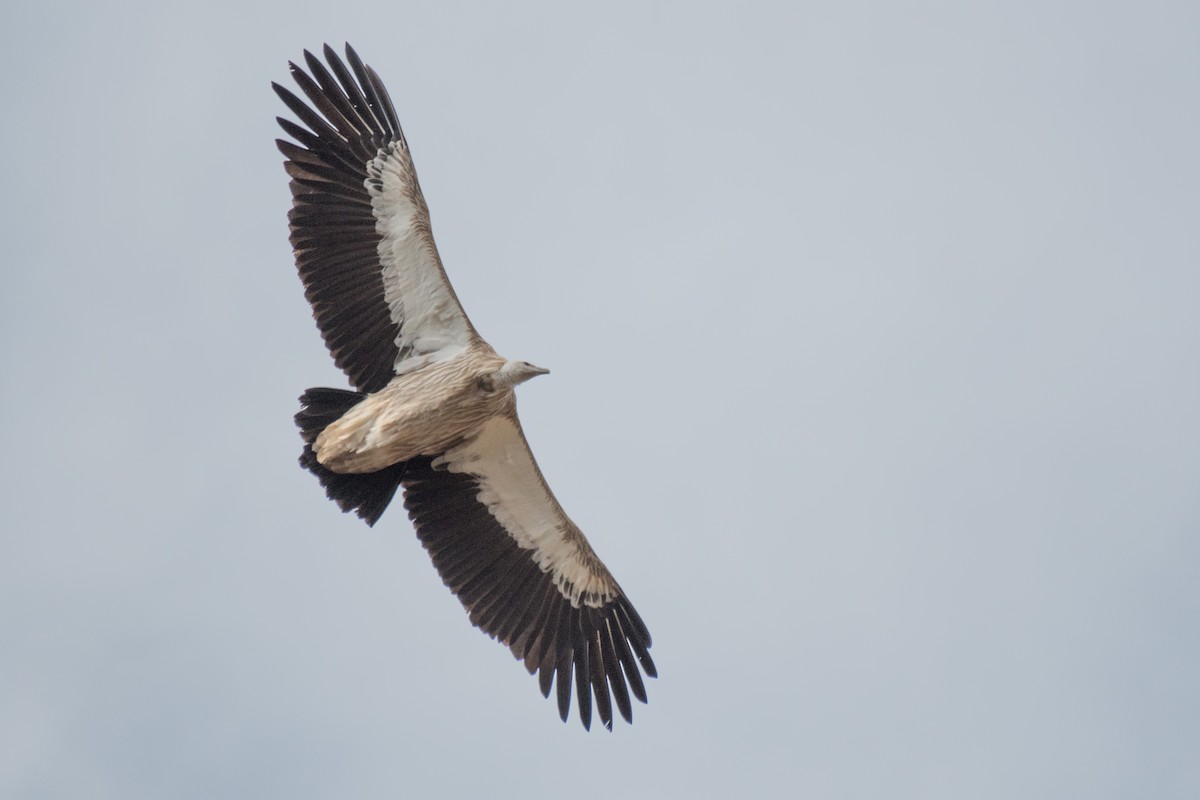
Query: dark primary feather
x: 512, y: 600
x: 354, y: 94
x: 377, y: 97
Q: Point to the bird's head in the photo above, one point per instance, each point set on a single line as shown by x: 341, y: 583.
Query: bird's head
x: 509, y: 374
x: 513, y: 372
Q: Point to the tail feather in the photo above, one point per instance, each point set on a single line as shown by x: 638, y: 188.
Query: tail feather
x: 365, y: 494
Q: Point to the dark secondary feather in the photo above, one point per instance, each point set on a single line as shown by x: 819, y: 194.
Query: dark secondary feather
x: 332, y: 222
x: 508, y: 596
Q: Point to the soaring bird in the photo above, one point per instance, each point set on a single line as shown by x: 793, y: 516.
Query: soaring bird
x: 433, y: 410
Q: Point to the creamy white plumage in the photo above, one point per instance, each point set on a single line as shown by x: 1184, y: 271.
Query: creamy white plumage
x: 434, y: 412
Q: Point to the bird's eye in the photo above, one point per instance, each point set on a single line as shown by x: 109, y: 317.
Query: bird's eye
x: 486, y: 384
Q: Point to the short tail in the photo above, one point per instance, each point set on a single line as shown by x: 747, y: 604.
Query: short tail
x: 365, y: 494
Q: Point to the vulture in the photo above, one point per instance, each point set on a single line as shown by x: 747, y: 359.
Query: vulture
x: 432, y: 412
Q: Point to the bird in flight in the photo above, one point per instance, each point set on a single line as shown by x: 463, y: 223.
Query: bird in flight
x: 433, y: 410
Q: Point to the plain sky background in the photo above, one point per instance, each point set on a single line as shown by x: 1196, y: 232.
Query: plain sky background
x: 874, y: 333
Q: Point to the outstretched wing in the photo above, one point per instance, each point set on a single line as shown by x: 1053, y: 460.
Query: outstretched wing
x: 360, y: 227
x: 525, y: 573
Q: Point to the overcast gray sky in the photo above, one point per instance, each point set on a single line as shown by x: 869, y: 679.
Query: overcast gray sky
x: 874, y: 344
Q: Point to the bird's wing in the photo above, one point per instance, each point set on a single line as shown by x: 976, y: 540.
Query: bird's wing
x: 524, y: 571
x: 360, y: 227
